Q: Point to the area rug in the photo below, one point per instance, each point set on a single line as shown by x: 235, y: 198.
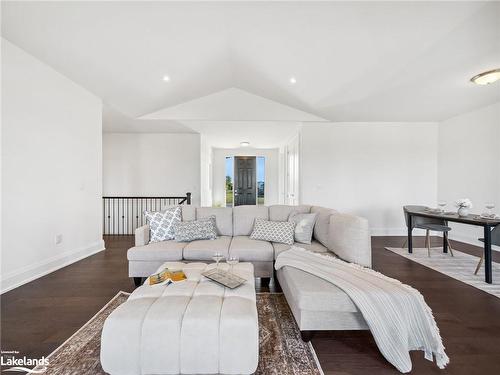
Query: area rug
x: 460, y: 267
x: 281, y: 349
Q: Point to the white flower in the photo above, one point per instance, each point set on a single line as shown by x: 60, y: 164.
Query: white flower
x: 463, y: 203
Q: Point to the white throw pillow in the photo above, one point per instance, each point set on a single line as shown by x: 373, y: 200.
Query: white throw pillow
x: 274, y: 231
x: 304, y: 226
x: 201, y: 229
x: 162, y: 224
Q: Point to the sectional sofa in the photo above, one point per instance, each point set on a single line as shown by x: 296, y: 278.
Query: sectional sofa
x: 315, y: 303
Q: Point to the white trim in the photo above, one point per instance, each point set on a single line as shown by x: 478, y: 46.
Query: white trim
x: 395, y: 232
x: 34, y: 271
x: 376, y: 232
x: 470, y: 240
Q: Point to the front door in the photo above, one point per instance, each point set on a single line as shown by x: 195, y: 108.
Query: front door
x: 245, y: 188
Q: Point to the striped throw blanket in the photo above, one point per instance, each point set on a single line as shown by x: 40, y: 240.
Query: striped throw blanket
x: 397, y: 314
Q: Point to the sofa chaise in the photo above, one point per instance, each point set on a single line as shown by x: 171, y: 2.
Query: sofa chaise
x: 316, y: 304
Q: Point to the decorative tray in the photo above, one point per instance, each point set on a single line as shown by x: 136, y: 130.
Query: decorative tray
x: 229, y: 280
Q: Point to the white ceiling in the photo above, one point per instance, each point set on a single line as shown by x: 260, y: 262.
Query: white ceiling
x: 232, y: 105
x: 115, y: 122
x: 353, y: 61
x: 260, y: 134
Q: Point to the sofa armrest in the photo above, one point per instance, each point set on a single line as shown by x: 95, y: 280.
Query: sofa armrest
x: 142, y: 235
x: 350, y: 238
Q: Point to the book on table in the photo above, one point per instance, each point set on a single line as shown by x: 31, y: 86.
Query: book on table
x: 167, y: 276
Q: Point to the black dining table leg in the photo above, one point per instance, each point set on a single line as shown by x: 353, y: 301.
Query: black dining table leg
x: 410, y: 239
x: 445, y: 242
x: 487, y: 255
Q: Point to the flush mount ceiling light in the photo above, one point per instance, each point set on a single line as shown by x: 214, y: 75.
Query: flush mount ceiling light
x: 487, y: 77
x: 166, y: 78
x: 245, y: 144
x: 293, y: 80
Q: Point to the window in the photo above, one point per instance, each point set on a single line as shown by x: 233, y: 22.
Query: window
x: 261, y: 178
x: 229, y: 180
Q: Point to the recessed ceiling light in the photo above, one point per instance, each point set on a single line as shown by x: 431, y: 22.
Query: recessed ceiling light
x: 166, y: 78
x: 487, y: 77
x: 293, y: 80
x: 245, y: 144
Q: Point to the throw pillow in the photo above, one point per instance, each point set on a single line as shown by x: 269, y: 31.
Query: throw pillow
x: 304, y: 226
x: 162, y: 224
x: 275, y: 231
x: 203, y: 229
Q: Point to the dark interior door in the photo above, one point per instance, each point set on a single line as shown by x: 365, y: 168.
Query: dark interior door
x: 245, y: 176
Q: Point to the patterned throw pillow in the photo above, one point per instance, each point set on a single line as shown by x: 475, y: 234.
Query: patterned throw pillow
x: 162, y: 224
x: 275, y: 231
x: 202, y: 229
x: 304, y: 226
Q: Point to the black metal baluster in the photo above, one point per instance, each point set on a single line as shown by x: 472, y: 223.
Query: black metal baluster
x: 117, y: 202
x: 117, y: 216
x: 136, y: 215
x: 109, y: 216
x: 123, y: 217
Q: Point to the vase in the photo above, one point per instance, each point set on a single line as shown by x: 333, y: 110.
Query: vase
x: 463, y: 211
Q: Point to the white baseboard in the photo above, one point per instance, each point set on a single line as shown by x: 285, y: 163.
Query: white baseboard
x: 470, y: 240
x: 395, y: 232
x: 376, y: 232
x: 34, y: 271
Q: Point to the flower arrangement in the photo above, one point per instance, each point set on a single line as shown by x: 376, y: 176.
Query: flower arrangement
x: 463, y: 203
x: 463, y: 206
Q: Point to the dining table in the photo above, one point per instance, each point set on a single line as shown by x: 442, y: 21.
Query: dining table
x: 488, y: 223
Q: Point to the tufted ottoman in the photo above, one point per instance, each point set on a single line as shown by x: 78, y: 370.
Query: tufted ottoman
x: 192, y: 327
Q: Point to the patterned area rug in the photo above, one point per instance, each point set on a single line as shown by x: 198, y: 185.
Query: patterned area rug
x: 281, y: 349
x: 460, y: 267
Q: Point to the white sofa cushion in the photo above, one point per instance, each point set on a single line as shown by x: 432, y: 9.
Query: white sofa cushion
x: 188, y: 212
x: 244, y: 218
x: 163, y: 251
x: 315, y: 294
x: 248, y: 250
x: 205, y: 249
x: 304, y: 226
x: 350, y: 238
x: 314, y: 246
x: 223, y: 218
x: 322, y: 226
x: 280, y: 212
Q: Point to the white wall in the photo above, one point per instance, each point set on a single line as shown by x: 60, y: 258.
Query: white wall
x: 206, y: 158
x: 136, y: 164
x: 272, y: 172
x: 370, y: 169
x: 51, y: 169
x: 469, y: 164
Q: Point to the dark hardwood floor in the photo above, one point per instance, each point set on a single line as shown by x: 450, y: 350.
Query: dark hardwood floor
x: 39, y: 316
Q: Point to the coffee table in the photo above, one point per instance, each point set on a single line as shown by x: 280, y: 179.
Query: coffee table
x: 195, y: 326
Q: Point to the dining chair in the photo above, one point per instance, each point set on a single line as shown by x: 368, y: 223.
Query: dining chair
x: 429, y: 224
x: 495, y: 240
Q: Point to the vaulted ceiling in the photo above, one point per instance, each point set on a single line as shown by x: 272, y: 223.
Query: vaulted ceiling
x: 353, y: 61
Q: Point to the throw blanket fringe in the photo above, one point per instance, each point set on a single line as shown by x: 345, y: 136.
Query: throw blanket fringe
x: 397, y: 314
